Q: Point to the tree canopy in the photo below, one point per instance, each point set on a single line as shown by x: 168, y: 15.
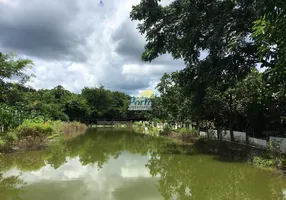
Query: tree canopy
x: 224, y: 88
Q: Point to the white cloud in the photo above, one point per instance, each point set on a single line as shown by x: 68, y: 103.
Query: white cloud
x: 137, y: 69
x: 78, y: 43
x: 117, y: 175
x: 9, y: 2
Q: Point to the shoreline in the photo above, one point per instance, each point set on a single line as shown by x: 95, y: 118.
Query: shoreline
x: 228, y: 151
x: 36, y: 140
x: 223, y: 150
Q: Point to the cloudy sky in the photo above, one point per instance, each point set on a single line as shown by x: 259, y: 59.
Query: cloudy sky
x: 77, y: 43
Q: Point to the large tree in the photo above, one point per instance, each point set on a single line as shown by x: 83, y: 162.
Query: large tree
x: 10, y: 67
x: 270, y: 33
x: 185, y: 28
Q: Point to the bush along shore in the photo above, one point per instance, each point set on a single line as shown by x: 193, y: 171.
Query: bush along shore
x: 181, y: 135
x: 37, y: 133
x: 269, y: 159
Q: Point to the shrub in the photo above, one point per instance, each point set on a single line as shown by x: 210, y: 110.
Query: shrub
x: 262, y: 162
x: 153, y: 130
x: 167, y: 128
x: 139, y: 127
x: 192, y: 132
x: 57, y: 126
x: 34, y: 130
x: 34, y: 133
x: 275, y: 154
x: 166, y: 131
x: 10, y: 117
x: 183, y: 131
x: 2, y: 143
x: 11, y: 136
x: 37, y: 119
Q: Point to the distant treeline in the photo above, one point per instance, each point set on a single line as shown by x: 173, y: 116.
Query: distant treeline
x: 91, y: 105
x: 17, y: 101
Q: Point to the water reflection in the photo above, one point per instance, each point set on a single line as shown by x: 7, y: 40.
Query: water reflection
x: 120, y: 165
x: 9, y: 187
x: 73, y: 180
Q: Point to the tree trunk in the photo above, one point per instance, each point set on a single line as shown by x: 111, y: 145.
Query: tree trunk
x: 219, y: 133
x: 246, y: 137
x: 231, y: 119
x: 231, y: 131
x: 208, y: 133
x: 281, y: 128
x: 198, y: 125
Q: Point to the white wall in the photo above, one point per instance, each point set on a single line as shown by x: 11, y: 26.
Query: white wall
x: 238, y: 136
x: 282, y: 144
x: 241, y: 137
x: 258, y: 142
x: 226, y: 135
x: 203, y: 134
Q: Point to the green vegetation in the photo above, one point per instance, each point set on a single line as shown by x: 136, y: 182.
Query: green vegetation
x: 184, y: 135
x: 36, y: 133
x: 19, y: 102
x: 34, y: 130
x: 187, y: 131
x: 262, y: 162
x: 273, y: 158
x: 146, y: 128
x: 29, y: 118
x: 224, y: 90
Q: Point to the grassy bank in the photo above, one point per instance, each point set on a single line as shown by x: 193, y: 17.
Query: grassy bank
x: 36, y: 134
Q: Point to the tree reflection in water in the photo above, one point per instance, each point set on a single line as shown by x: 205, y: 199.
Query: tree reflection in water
x: 10, y: 187
x: 183, y: 172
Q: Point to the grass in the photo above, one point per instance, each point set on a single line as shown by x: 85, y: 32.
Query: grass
x: 73, y: 129
x: 31, y: 135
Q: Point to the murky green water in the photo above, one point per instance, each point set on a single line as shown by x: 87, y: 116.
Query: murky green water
x: 117, y: 165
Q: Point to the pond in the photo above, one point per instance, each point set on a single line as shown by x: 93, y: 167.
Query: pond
x: 111, y: 164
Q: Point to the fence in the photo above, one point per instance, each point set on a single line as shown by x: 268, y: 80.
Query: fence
x: 241, y: 138
x: 238, y: 136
